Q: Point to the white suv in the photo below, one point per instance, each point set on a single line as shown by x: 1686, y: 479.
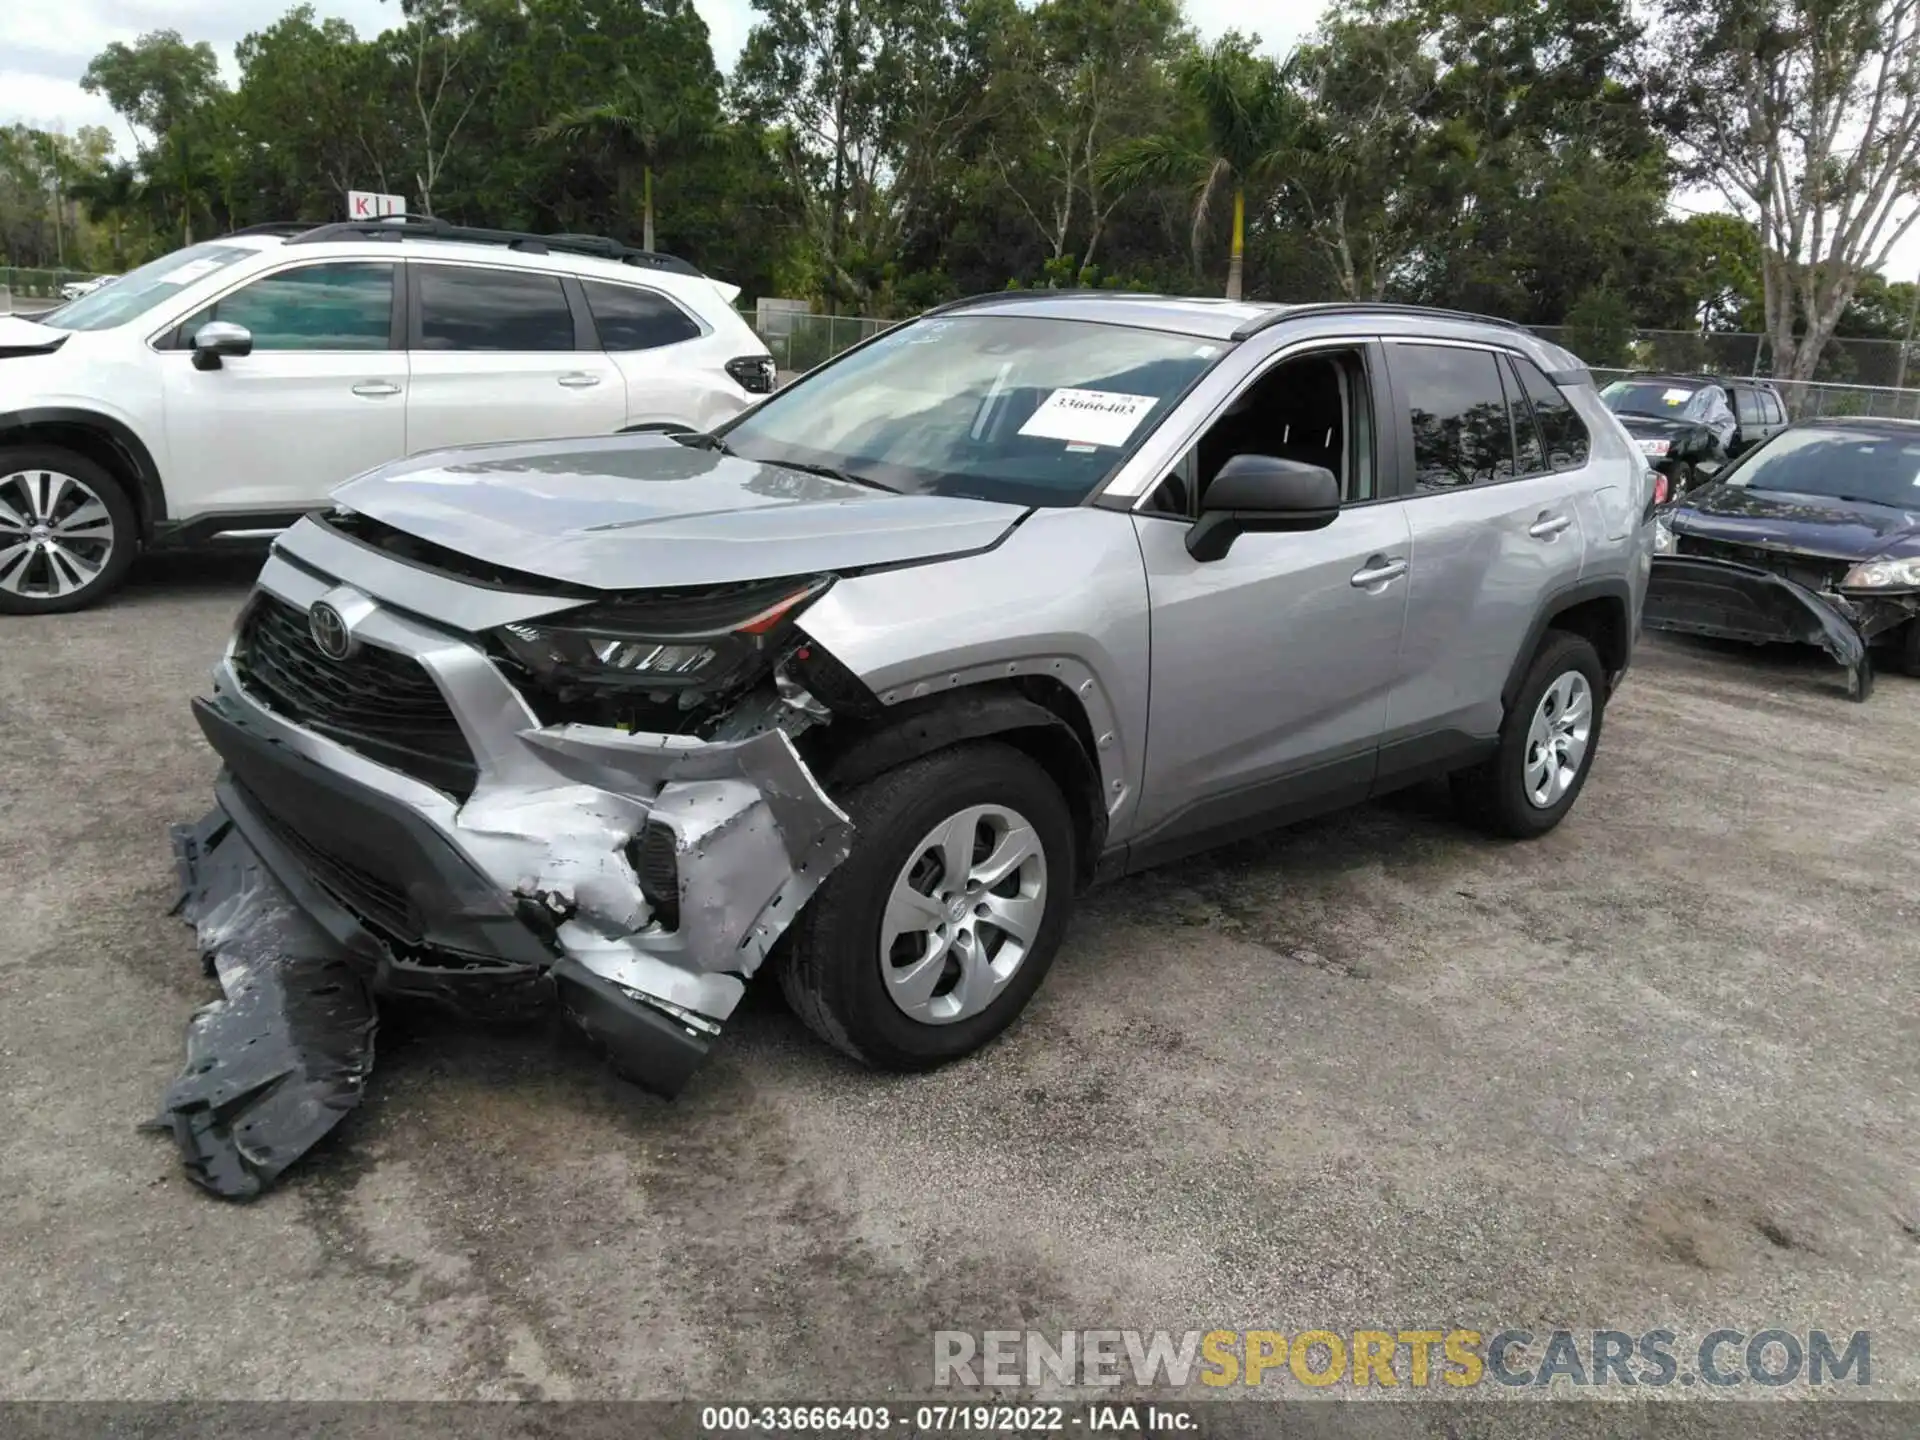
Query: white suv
x: 221, y: 392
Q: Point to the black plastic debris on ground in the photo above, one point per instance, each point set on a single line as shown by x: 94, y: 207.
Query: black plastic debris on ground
x: 279, y: 1061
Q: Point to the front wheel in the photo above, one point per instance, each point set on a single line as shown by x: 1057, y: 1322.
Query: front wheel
x: 1547, y: 743
x: 935, y: 932
x: 67, y: 531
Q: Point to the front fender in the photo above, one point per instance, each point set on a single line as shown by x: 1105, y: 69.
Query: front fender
x: 1063, y: 598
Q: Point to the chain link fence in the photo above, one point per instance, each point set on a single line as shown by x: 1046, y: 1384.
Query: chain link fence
x: 800, y: 341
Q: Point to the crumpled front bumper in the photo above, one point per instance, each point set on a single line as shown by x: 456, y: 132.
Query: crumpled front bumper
x: 1695, y: 595
x: 524, y: 895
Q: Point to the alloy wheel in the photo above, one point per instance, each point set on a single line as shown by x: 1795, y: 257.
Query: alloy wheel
x: 56, y: 534
x: 962, y: 914
x: 1557, y: 739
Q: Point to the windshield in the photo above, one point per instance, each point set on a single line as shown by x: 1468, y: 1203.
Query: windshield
x: 1649, y: 397
x: 138, y: 291
x: 1843, y: 464
x: 997, y: 407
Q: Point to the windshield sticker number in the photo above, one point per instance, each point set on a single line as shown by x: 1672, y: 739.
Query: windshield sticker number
x: 191, y: 271
x: 1088, y: 417
x: 1677, y: 397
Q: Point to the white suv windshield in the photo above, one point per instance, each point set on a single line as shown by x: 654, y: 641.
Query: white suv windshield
x: 999, y: 407
x: 138, y: 291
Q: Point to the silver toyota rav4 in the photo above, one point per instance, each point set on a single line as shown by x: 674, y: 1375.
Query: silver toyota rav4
x: 871, y: 681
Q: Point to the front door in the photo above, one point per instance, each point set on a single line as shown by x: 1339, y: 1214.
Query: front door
x: 321, y: 399
x: 1271, y: 666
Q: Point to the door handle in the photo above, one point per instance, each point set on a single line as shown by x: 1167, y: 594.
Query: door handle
x: 373, y: 389
x: 1378, y: 571
x: 579, y: 380
x: 1548, y: 526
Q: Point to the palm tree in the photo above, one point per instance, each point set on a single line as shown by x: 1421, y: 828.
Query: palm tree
x: 639, y: 126
x: 1247, y: 117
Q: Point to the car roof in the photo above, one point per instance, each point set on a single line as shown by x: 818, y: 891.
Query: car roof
x: 1873, y: 424
x: 1697, y: 377
x: 375, y: 243
x: 1206, y: 318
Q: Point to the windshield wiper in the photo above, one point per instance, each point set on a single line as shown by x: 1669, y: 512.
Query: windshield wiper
x: 830, y: 473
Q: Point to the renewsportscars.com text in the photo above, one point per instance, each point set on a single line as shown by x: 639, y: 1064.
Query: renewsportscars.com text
x: 1417, y: 1359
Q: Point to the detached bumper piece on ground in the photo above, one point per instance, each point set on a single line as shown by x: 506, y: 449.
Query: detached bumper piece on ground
x: 1691, y: 595
x: 277, y: 1063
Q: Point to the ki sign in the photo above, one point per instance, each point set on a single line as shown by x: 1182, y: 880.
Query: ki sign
x: 367, y: 205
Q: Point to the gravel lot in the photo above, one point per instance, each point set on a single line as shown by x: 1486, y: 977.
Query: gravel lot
x: 1659, y: 1068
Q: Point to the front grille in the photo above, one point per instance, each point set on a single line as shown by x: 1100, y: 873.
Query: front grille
x: 369, y: 897
x: 1808, y: 570
x: 383, y: 705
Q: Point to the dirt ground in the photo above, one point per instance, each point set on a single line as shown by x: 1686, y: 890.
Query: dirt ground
x: 1656, y: 1069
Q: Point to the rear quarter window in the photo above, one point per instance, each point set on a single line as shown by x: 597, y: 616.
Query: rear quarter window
x: 632, y: 317
x: 1561, y: 428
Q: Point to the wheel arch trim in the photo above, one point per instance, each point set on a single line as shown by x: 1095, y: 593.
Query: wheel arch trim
x: 148, y: 495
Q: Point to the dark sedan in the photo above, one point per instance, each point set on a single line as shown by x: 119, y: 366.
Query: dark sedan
x: 1814, y: 537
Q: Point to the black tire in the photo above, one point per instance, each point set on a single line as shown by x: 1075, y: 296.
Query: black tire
x: 1494, y: 795
x: 831, y: 972
x: 1908, y: 648
x: 1684, y: 479
x: 37, y: 594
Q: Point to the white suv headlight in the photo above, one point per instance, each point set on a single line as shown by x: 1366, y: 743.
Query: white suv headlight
x: 1884, y: 575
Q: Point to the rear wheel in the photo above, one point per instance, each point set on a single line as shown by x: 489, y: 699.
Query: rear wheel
x: 67, y: 531
x: 935, y: 932
x: 1547, y: 743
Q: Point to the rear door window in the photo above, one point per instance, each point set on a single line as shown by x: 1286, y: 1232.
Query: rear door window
x: 1561, y: 428
x: 1747, y: 409
x: 475, y: 308
x: 631, y: 317
x: 1462, y: 432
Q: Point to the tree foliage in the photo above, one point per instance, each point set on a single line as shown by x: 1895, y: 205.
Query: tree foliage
x: 1514, y: 156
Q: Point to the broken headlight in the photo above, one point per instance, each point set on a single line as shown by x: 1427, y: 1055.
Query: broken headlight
x: 1884, y: 575
x: 661, y: 644
x: 1663, y: 543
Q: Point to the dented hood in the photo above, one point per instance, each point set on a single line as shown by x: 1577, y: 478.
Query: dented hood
x: 639, y: 511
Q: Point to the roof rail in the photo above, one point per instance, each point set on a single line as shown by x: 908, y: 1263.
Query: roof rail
x: 1370, y: 307
x: 272, y: 227
x: 995, y: 297
x: 423, y: 227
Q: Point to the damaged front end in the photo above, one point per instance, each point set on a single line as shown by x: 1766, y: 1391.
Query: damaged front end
x: 1728, y: 599
x: 599, y: 806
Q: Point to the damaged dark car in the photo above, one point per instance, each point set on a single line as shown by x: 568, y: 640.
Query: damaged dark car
x: 859, y: 687
x: 1813, y: 538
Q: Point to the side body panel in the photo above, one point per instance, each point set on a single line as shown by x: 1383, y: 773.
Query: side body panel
x: 1063, y: 597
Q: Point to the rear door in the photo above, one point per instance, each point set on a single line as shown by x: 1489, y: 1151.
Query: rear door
x: 652, y: 342
x: 1749, y: 413
x: 321, y: 399
x: 503, y: 354
x: 1496, y: 527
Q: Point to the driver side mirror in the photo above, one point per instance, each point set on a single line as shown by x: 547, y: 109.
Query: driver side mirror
x: 218, y: 338
x: 1262, y: 493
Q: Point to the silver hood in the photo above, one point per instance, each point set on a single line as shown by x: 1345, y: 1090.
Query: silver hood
x: 631, y: 512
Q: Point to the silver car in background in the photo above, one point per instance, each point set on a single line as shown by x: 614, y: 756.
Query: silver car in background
x: 868, y: 684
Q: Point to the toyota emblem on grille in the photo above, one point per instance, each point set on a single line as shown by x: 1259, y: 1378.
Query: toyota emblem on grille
x: 329, y: 631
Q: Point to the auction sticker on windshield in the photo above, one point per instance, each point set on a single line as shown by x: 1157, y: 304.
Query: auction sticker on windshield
x: 1088, y: 417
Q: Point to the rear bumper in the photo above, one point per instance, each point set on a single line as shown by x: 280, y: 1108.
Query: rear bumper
x: 1692, y: 595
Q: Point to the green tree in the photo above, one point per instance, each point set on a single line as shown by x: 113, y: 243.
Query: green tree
x: 1248, y: 123
x: 1805, y: 115
x: 641, y: 125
